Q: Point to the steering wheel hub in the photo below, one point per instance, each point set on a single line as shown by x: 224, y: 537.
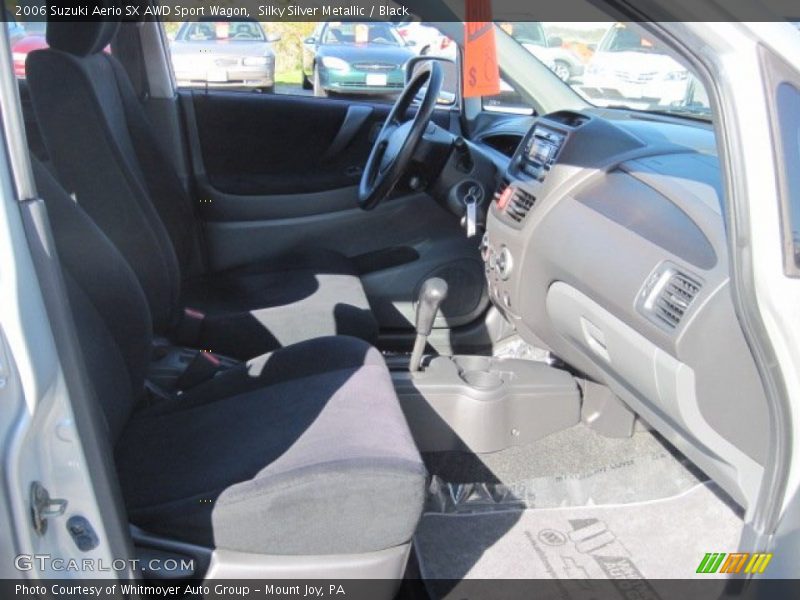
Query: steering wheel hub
x: 398, y: 138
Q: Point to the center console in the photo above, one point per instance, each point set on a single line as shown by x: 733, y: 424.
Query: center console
x: 544, y: 160
x: 478, y: 403
x: 483, y: 404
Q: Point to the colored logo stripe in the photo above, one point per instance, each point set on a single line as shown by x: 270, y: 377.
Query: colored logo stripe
x: 735, y: 562
x: 758, y: 563
x: 713, y: 562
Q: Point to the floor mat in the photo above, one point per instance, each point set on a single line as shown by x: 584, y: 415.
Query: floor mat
x: 657, y: 539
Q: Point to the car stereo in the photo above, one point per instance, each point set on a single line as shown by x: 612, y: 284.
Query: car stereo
x: 540, y: 151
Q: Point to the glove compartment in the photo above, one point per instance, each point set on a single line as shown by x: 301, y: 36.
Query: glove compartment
x: 654, y: 384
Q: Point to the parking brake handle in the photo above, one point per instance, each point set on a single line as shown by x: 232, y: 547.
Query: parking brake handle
x: 431, y: 295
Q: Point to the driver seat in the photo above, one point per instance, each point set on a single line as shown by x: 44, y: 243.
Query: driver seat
x: 105, y: 152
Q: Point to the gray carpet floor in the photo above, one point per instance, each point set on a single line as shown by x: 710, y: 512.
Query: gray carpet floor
x: 656, y: 539
x: 572, y: 505
x: 575, y: 467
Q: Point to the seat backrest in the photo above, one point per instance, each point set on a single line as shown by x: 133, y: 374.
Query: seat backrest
x: 108, y: 305
x: 104, y: 151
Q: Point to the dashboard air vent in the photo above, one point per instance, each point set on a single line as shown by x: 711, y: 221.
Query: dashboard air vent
x: 501, y: 187
x: 674, y: 297
x: 519, y: 205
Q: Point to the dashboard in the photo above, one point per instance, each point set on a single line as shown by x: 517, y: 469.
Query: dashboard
x: 606, y: 244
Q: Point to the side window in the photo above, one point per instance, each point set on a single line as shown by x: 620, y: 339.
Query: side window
x: 337, y: 58
x: 222, y: 54
x: 788, y: 103
x: 24, y: 38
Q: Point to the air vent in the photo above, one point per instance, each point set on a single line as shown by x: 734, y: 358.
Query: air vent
x: 668, y: 295
x: 501, y: 187
x: 519, y: 205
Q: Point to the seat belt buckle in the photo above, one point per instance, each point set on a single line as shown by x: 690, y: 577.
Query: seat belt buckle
x: 203, y: 367
x: 190, y: 327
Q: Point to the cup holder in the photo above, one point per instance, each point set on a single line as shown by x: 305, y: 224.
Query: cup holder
x: 482, y: 380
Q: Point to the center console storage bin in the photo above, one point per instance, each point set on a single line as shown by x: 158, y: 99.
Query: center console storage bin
x: 483, y: 404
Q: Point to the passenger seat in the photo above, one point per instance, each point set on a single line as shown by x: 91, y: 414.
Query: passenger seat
x: 297, y: 459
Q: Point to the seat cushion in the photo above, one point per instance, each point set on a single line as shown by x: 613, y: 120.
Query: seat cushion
x: 293, y: 298
x: 302, y: 451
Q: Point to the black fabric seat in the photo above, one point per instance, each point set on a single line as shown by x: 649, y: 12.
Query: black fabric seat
x: 305, y: 457
x: 104, y: 151
x: 303, y: 451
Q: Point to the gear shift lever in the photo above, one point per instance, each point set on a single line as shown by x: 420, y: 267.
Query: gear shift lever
x: 431, y: 295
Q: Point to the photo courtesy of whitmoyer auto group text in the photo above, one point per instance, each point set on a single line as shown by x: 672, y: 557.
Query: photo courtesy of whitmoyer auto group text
x: 400, y: 299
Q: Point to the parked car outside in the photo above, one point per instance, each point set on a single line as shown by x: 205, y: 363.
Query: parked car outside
x: 422, y: 38
x: 24, y: 40
x: 564, y: 62
x: 445, y: 47
x: 428, y: 40
x: 629, y: 69
x: 224, y: 54
x: 355, y: 58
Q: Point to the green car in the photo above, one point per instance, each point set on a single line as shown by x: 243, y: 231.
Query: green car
x: 355, y: 58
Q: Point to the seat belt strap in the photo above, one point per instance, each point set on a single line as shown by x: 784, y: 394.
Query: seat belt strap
x: 202, y: 368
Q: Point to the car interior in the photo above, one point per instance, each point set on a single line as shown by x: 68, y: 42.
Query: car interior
x: 337, y: 337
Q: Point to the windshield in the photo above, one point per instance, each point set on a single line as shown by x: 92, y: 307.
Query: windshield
x: 524, y: 32
x: 360, y: 33
x: 617, y: 65
x: 621, y: 38
x: 229, y: 31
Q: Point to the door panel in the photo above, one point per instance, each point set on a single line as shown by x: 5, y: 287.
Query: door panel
x: 275, y: 173
x: 259, y: 144
x: 415, y: 223
x: 265, y: 144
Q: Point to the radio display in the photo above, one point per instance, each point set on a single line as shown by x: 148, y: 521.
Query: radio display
x: 544, y: 146
x: 541, y: 151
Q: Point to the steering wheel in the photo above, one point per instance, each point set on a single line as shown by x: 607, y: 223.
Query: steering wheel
x: 394, y: 147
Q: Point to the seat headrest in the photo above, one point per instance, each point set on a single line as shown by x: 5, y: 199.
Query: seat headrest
x: 81, y: 38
